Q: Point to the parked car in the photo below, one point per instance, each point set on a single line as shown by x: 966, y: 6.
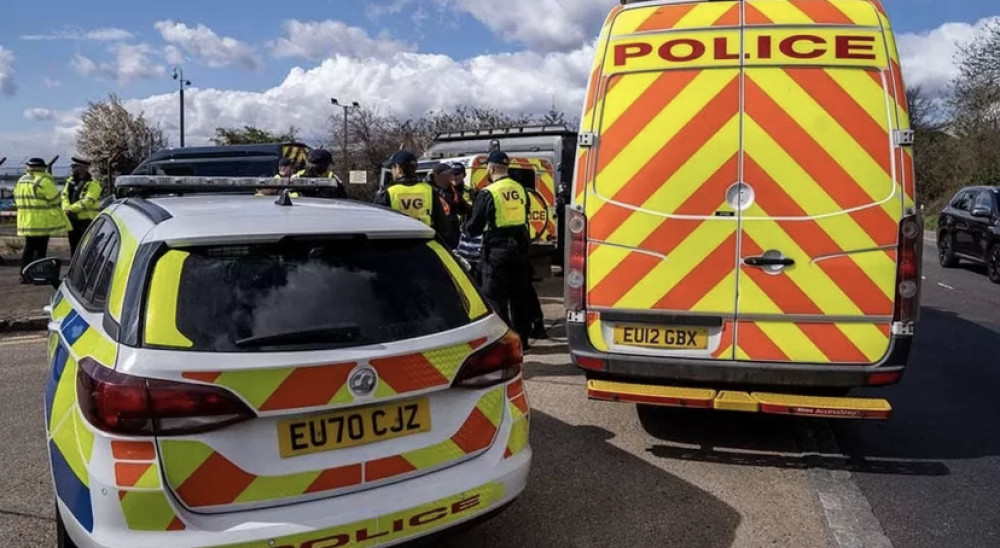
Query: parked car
x: 969, y: 229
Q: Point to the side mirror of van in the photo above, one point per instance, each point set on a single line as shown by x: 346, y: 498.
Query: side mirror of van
x: 44, y: 272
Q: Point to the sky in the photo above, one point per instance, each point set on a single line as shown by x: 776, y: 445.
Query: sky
x: 276, y: 64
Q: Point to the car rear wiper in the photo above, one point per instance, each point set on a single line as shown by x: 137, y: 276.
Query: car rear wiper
x: 340, y: 333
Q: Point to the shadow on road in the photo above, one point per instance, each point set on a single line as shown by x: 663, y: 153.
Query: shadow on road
x: 946, y: 406
x: 584, y: 492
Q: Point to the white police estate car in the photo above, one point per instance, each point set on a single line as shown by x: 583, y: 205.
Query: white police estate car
x: 231, y: 369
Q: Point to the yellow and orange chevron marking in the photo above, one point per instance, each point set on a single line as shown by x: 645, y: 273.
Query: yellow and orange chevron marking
x: 843, y: 343
x: 143, y: 502
x: 519, y: 412
x: 202, y: 477
x: 315, y: 386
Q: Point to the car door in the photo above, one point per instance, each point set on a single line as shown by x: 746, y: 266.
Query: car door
x: 961, y: 223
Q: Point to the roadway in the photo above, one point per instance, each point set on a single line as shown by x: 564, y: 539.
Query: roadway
x: 608, y: 475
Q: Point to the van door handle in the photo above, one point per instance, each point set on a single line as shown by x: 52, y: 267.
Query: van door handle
x: 769, y: 261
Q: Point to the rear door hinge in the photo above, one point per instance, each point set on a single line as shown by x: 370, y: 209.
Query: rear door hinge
x: 587, y: 139
x: 903, y: 137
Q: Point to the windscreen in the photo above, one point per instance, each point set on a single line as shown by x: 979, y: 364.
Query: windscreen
x: 312, y: 294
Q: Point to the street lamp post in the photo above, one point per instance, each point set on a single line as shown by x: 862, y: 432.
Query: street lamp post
x: 179, y: 76
x: 346, y: 108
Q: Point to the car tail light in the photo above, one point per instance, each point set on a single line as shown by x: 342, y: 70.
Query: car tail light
x: 130, y: 405
x: 576, y: 280
x: 908, y: 271
x: 494, y: 364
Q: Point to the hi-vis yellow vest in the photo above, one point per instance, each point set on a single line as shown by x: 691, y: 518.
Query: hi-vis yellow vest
x: 509, y: 200
x: 415, y: 200
x: 39, y: 206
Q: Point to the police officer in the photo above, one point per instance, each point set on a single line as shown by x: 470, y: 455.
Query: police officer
x: 500, y: 214
x: 319, y: 165
x: 285, y: 169
x: 460, y: 184
x: 39, y: 211
x: 81, y: 200
x: 455, y: 208
x: 408, y: 195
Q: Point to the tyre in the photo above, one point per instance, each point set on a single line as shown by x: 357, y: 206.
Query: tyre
x: 993, y: 264
x: 946, y: 251
x: 62, y: 537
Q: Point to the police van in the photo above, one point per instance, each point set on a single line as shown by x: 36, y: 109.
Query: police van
x: 743, y: 230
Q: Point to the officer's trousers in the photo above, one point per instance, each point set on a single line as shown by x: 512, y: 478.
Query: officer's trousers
x: 507, y: 286
x: 76, y: 233
x: 35, y: 247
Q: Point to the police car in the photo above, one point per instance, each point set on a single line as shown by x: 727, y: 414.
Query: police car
x: 239, y: 370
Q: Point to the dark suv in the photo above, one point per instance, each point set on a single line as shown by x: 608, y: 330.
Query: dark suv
x: 969, y: 229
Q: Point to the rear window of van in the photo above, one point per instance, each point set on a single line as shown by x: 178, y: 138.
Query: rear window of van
x: 306, y: 295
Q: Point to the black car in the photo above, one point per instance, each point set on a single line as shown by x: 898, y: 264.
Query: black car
x: 969, y: 229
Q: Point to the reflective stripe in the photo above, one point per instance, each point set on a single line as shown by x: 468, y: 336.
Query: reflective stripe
x: 39, y: 206
x: 161, y: 306
x: 87, y: 205
x: 415, y: 200
x: 510, y: 202
x: 123, y: 267
x: 149, y: 511
x: 473, y: 302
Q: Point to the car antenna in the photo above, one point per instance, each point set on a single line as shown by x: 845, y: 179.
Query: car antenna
x: 285, y: 199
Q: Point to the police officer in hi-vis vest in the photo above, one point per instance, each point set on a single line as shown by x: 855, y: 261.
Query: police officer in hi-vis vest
x: 409, y: 195
x: 500, y: 215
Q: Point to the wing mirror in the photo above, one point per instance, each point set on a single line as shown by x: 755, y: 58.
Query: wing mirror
x: 981, y: 212
x: 44, y: 272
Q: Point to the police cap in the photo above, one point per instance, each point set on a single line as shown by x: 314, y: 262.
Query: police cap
x: 75, y: 161
x: 402, y: 157
x: 285, y: 162
x: 457, y: 168
x: 320, y: 156
x: 441, y: 168
x: 36, y: 162
x: 498, y: 157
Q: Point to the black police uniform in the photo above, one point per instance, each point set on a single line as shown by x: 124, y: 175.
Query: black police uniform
x: 455, y: 210
x: 320, y: 157
x: 506, y: 264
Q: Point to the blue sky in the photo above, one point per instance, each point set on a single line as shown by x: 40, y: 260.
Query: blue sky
x: 272, y: 64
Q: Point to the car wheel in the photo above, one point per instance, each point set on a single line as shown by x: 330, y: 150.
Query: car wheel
x: 946, y: 251
x: 993, y: 265
x: 62, y: 537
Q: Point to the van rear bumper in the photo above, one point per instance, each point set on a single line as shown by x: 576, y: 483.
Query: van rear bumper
x: 716, y: 373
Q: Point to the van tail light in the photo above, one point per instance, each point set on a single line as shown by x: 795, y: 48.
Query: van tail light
x: 492, y: 365
x: 137, y: 406
x: 576, y: 280
x: 908, y: 270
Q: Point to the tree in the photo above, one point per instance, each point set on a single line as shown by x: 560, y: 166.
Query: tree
x: 975, y: 104
x: 248, y: 135
x: 114, y: 139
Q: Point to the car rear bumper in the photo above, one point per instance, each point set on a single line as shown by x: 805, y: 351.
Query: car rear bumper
x: 392, y: 514
x: 725, y: 373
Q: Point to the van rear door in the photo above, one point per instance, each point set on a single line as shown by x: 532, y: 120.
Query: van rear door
x: 662, y: 233
x: 821, y: 210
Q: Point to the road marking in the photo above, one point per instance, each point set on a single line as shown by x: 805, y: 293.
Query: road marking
x: 24, y: 339
x: 848, y: 513
x: 946, y: 286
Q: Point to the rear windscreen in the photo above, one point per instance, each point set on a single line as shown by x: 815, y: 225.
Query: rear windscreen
x: 306, y: 295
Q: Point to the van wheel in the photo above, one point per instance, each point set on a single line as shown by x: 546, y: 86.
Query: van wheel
x: 62, y: 537
x: 993, y: 264
x: 946, y: 251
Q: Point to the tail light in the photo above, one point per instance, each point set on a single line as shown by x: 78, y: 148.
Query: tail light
x: 497, y: 363
x: 129, y: 405
x: 908, y: 271
x: 576, y: 280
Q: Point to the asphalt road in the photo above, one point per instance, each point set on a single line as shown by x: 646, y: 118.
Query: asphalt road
x: 609, y: 475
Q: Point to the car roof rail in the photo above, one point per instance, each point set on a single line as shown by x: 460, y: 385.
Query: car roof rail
x: 153, y: 212
x: 147, y: 186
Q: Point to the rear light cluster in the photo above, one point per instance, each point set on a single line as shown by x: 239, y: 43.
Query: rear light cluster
x: 137, y: 406
x: 576, y: 279
x: 492, y: 365
x: 908, y: 270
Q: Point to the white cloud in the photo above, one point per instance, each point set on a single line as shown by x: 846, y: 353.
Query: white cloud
x: 375, y: 11
x: 132, y: 62
x: 73, y: 33
x: 51, y: 115
x: 928, y: 58
x: 49, y: 83
x: 202, y: 42
x: 542, y: 25
x: 173, y: 55
x: 7, y: 85
x: 320, y: 40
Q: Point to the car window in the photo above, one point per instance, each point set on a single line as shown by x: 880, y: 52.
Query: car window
x: 211, y: 298
x: 963, y: 202
x: 91, y: 271
x: 984, y: 200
